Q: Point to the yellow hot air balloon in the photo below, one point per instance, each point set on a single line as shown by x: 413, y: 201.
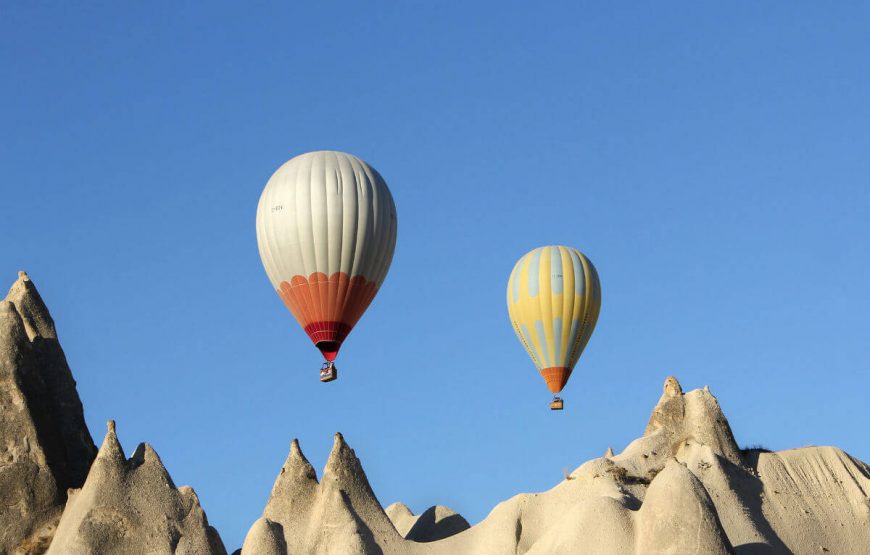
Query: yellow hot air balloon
x: 326, y: 230
x: 553, y: 298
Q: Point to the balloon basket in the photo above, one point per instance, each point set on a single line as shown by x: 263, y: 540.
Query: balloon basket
x: 557, y: 404
x: 328, y: 372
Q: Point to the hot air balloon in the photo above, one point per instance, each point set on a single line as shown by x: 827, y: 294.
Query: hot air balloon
x: 553, y: 298
x: 326, y: 230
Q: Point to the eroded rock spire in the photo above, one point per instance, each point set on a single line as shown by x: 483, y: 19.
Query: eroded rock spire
x: 149, y: 514
x: 45, y: 446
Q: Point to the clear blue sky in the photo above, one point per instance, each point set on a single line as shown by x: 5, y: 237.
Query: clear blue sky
x: 713, y: 162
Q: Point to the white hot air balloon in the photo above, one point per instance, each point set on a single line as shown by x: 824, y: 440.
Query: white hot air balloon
x: 326, y: 230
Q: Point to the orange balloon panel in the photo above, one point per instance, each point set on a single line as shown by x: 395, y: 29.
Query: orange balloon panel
x: 556, y: 377
x: 327, y: 307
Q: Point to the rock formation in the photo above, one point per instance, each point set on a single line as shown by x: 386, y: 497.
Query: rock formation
x: 132, y: 506
x: 45, y: 446
x: 46, y: 452
x: 435, y: 523
x: 340, y: 514
x: 683, y: 487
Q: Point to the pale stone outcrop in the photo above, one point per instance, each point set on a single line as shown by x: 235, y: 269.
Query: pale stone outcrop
x: 677, y: 516
x: 132, y: 506
x: 45, y: 446
x: 676, y: 419
x: 435, y: 523
x: 402, y: 517
x: 684, y: 487
x: 816, y: 499
x: 339, y: 514
x: 265, y: 538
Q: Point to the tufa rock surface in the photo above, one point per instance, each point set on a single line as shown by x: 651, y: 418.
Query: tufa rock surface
x: 683, y: 487
x: 435, y: 523
x: 132, y: 506
x: 339, y: 514
x: 45, y: 446
x: 46, y: 454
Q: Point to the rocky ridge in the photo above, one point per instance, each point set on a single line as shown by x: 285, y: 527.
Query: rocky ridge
x: 45, y: 446
x: 684, y: 486
x: 57, y: 493
x: 339, y: 514
x: 132, y: 506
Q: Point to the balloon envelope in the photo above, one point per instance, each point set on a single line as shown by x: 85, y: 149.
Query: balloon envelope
x: 326, y: 230
x: 553, y: 299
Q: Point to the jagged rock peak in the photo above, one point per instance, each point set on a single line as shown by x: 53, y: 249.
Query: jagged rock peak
x: 346, y: 471
x: 37, y: 320
x: 696, y: 416
x: 609, y: 453
x: 671, y: 387
x: 342, y: 459
x: 674, y: 490
x: 294, y: 491
x: 338, y: 443
x: 668, y: 412
x: 190, y: 494
x: 146, y: 455
x: 296, y: 469
x: 111, y: 449
x: 338, y: 515
x: 706, y: 423
x: 132, y: 506
x: 45, y: 446
x: 297, y: 465
x: 297, y: 477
